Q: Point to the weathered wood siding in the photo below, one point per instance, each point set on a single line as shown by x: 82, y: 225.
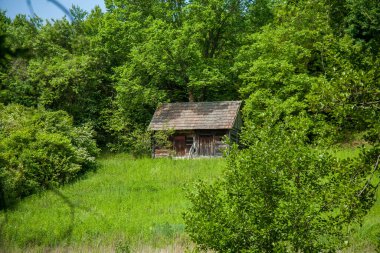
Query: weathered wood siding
x: 204, y: 143
x: 162, y: 152
x: 199, y: 127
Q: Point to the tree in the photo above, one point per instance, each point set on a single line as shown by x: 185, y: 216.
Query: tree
x: 39, y: 150
x: 363, y: 22
x: 278, y: 195
x: 301, y: 64
x: 183, y: 58
x: 280, y: 66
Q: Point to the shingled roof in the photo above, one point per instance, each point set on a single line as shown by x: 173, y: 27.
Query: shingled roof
x: 195, y: 115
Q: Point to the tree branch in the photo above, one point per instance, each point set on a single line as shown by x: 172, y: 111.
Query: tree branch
x: 370, y: 178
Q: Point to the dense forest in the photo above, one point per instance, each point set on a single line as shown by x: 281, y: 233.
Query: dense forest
x: 315, y: 62
x: 69, y: 88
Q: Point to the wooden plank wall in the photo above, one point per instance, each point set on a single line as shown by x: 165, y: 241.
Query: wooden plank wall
x: 209, y: 143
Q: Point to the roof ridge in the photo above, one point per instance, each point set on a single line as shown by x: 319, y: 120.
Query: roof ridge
x: 224, y: 101
x: 196, y: 115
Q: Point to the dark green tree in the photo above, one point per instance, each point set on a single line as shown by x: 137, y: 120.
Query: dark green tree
x: 279, y: 195
x: 39, y: 150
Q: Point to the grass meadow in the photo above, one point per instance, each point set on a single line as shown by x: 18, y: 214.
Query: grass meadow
x: 126, y: 204
x: 129, y: 205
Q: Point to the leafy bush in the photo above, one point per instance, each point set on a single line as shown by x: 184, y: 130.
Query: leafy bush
x: 139, y: 142
x: 40, y: 149
x: 279, y: 195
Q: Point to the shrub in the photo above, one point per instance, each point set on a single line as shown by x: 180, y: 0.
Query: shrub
x: 279, y: 195
x: 139, y: 142
x: 40, y: 149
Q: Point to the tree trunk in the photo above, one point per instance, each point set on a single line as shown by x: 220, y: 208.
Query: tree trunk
x: 191, y: 96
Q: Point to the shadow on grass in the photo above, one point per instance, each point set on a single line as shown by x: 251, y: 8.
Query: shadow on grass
x: 67, y: 234
x: 69, y: 231
x: 64, y: 236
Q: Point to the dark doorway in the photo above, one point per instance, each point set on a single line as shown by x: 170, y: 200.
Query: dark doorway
x: 180, y: 145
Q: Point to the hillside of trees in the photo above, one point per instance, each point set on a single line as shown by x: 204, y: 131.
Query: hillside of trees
x: 311, y: 61
x: 307, y: 70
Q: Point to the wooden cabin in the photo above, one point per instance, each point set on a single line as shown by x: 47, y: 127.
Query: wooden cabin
x: 199, y: 127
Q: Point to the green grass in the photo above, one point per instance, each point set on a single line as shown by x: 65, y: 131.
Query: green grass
x: 126, y: 203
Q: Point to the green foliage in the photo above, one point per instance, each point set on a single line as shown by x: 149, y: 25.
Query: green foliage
x: 279, y: 195
x: 39, y: 150
x: 139, y: 143
x: 313, y: 61
x: 363, y: 21
x: 161, y: 138
x: 311, y: 67
x: 298, y: 68
x: 123, y: 247
x: 60, y: 72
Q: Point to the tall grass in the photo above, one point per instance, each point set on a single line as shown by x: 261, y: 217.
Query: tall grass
x: 126, y: 203
x: 132, y: 205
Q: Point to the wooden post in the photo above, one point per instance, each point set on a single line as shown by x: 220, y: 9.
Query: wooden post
x: 153, y: 145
